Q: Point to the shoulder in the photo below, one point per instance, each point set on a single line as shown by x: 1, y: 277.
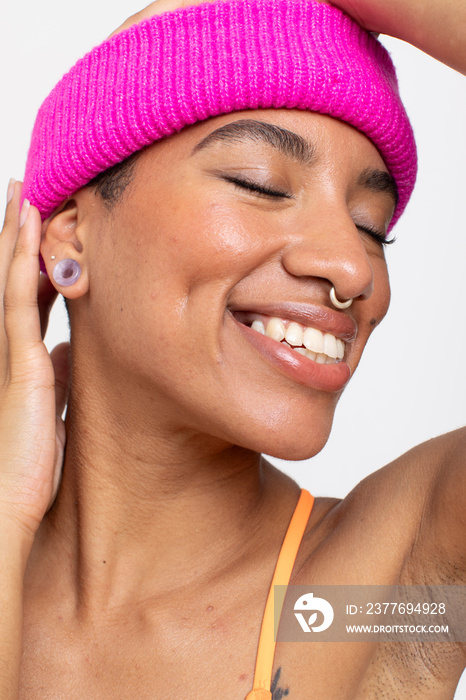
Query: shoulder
x: 404, y: 521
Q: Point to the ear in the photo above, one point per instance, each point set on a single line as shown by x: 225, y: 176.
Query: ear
x: 61, y: 240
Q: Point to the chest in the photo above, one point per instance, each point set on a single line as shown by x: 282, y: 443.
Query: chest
x: 201, y: 647
x: 205, y: 646
x: 212, y: 656
x: 197, y: 671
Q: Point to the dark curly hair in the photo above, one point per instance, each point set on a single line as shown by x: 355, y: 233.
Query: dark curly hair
x: 112, y: 183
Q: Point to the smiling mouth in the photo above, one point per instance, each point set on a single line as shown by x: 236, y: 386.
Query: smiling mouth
x: 323, y: 348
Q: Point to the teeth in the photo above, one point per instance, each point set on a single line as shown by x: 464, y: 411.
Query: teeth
x: 322, y: 348
x: 313, y: 340
x: 275, y: 329
x: 259, y: 327
x: 294, y: 334
x: 330, y: 345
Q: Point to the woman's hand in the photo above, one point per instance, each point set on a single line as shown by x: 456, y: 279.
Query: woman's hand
x: 437, y: 27
x: 157, y: 8
x: 33, y: 384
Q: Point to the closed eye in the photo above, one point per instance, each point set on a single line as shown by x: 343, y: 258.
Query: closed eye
x: 375, y: 234
x: 259, y: 190
x: 262, y: 191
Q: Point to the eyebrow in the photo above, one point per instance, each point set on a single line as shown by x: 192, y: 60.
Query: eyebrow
x: 379, y: 181
x: 292, y: 145
x: 287, y: 142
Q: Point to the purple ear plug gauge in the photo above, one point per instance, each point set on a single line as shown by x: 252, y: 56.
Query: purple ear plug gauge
x: 66, y: 272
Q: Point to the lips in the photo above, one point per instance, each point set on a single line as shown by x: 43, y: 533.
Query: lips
x: 317, y: 335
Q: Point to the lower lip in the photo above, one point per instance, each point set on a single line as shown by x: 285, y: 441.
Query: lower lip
x: 332, y: 377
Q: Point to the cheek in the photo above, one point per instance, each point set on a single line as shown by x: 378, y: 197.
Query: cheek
x: 381, y: 292
x: 379, y: 301
x: 213, y: 242
x: 167, y: 263
x: 184, y: 244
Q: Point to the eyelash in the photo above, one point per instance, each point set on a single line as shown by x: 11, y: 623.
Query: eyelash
x: 377, y: 235
x: 257, y: 189
x: 265, y: 192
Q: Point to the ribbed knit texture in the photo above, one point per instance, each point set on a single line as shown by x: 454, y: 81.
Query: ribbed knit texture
x: 197, y: 62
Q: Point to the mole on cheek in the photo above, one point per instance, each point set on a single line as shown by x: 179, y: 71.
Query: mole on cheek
x: 373, y: 322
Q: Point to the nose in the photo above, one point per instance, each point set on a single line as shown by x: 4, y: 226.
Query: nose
x: 330, y: 247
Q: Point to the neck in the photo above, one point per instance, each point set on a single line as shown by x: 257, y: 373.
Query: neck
x: 144, y: 507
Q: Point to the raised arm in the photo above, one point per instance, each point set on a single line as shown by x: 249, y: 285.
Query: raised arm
x: 437, y: 27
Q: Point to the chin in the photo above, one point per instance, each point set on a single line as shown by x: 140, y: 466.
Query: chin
x: 295, y: 453
x: 291, y: 445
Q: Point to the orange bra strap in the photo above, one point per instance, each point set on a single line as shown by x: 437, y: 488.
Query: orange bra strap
x: 281, y: 577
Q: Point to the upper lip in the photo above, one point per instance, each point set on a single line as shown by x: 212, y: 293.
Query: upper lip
x: 313, y: 315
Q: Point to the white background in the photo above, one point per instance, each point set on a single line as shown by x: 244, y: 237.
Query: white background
x: 410, y: 385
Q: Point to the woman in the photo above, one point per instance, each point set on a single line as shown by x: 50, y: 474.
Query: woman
x: 132, y: 542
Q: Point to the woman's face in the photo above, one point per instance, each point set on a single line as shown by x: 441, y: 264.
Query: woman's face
x: 190, y: 257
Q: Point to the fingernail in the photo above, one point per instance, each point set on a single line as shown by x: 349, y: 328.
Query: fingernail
x: 24, y: 213
x: 11, y: 190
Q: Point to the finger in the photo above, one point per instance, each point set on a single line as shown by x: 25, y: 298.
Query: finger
x: 46, y: 298
x: 60, y: 361
x: 21, y: 313
x: 58, y: 466
x: 12, y: 187
x: 156, y: 8
x: 9, y: 232
x: 8, y: 238
x: 10, y: 192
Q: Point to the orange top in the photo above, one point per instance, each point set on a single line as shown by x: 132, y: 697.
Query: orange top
x: 284, y: 567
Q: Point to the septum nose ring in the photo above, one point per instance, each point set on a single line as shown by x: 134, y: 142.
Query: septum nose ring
x: 339, y: 304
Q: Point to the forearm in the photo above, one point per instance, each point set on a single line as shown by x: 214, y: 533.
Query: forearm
x: 14, y: 551
x: 437, y: 27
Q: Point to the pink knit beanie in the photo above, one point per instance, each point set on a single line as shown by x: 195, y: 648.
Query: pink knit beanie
x: 197, y: 62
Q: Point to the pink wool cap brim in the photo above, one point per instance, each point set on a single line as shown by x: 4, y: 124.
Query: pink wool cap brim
x: 187, y: 65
